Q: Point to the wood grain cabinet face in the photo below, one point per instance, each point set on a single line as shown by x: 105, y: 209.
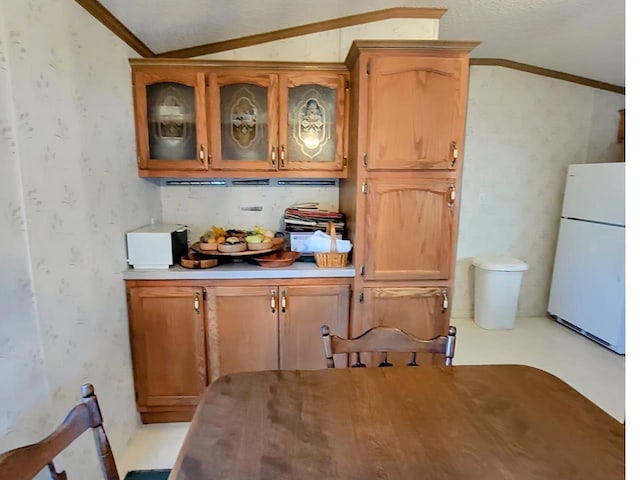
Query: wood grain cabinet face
x: 271, y: 327
x: 185, y: 337
x: 287, y: 122
x: 171, y: 120
x: 416, y: 112
x: 242, y: 329
x: 167, y: 329
x: 420, y: 311
x: 409, y: 228
x: 243, y: 121
x: 306, y: 309
x: 312, y: 121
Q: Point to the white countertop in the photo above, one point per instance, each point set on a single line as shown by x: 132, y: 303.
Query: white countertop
x: 231, y: 271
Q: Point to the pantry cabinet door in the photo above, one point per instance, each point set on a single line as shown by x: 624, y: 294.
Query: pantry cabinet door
x: 243, y: 112
x: 303, y: 311
x: 242, y: 329
x: 167, y: 327
x: 416, y: 112
x: 170, y: 116
x: 410, y: 229
x: 312, y: 121
x: 420, y: 311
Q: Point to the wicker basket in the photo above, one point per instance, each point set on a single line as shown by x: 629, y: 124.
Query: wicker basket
x: 331, y: 259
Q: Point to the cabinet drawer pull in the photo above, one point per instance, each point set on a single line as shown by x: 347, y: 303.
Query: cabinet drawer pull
x: 283, y: 301
x: 273, y: 301
x: 196, y: 302
x: 445, y: 301
x: 454, y: 153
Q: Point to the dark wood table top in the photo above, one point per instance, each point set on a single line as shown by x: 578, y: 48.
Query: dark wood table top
x: 463, y: 422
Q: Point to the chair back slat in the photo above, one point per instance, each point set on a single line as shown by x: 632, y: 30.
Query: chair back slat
x: 24, y: 463
x: 387, y: 340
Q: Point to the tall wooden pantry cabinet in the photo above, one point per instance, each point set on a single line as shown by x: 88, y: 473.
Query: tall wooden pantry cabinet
x: 401, y: 197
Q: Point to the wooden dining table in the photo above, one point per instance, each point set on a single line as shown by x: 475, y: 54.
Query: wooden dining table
x: 462, y: 422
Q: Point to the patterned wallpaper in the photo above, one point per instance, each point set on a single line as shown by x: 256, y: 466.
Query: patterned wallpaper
x: 70, y: 191
x: 522, y: 132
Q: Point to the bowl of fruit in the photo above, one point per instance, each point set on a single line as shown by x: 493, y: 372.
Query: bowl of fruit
x: 232, y: 245
x: 210, y: 240
x: 258, y: 241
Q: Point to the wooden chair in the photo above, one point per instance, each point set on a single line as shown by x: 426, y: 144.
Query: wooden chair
x: 24, y: 463
x: 387, y: 339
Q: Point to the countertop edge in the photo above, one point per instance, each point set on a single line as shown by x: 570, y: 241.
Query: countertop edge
x: 239, y: 272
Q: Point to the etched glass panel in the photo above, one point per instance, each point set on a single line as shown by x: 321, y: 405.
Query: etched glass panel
x: 312, y: 116
x: 243, y: 112
x: 171, y: 117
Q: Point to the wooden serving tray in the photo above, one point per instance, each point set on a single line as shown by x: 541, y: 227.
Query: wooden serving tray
x: 245, y: 253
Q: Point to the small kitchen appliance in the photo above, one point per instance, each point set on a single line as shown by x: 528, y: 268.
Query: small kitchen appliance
x: 158, y: 245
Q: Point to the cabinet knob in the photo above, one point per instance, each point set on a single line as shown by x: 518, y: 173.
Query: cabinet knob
x: 454, y: 153
x: 282, y: 155
x: 273, y: 301
x: 283, y: 301
x: 273, y: 156
x: 196, y: 302
x: 445, y: 301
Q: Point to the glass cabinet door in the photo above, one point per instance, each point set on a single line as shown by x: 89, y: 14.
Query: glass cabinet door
x: 243, y: 111
x: 170, y: 118
x: 312, y: 119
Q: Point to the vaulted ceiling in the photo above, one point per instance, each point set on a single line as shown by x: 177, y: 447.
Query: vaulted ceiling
x: 579, y: 37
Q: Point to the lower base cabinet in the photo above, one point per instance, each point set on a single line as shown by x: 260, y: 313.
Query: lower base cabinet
x: 186, y: 334
x: 167, y: 334
x: 420, y: 311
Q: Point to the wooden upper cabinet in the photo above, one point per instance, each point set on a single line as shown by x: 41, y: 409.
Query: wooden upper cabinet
x: 167, y: 345
x: 240, y: 120
x: 420, y: 311
x: 312, y: 121
x: 303, y: 311
x: 243, y: 121
x: 170, y: 118
x: 409, y: 228
x: 416, y: 112
x: 242, y: 329
x: 287, y: 122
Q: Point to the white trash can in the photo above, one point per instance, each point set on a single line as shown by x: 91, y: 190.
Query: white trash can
x: 497, y: 288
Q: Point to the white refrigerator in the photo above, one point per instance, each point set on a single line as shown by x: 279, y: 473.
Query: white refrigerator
x: 587, y: 286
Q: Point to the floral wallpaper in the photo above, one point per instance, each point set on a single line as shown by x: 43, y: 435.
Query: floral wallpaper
x: 522, y: 132
x: 69, y: 192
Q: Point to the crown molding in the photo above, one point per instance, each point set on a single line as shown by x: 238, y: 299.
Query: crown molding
x: 341, y: 22
x: 105, y: 17
x: 546, y: 72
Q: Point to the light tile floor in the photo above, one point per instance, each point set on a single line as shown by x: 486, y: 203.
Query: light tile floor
x: 593, y: 370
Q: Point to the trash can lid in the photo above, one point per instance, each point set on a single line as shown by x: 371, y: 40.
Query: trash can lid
x: 500, y: 264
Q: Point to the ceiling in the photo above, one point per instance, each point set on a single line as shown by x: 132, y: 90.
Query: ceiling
x: 579, y: 37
